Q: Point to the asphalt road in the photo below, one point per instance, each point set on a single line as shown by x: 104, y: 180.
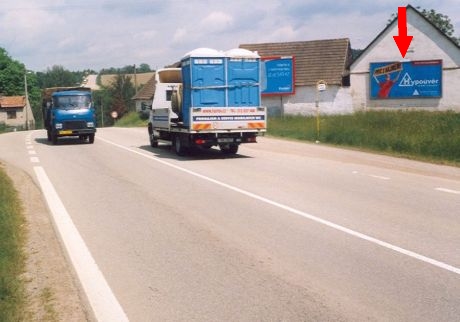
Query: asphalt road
x: 283, y: 231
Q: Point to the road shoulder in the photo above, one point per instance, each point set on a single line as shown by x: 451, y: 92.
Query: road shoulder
x: 52, y: 291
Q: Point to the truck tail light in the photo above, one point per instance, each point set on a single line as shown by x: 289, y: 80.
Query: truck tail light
x: 200, y: 141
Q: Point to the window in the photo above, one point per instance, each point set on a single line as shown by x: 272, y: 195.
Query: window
x: 11, y: 115
x: 72, y: 101
x: 169, y: 95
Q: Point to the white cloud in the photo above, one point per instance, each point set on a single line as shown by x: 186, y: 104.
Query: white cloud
x: 179, y: 35
x: 113, y: 33
x: 217, y: 21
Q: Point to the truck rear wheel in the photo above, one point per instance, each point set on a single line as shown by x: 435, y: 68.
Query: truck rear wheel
x: 179, y: 148
x: 229, y: 149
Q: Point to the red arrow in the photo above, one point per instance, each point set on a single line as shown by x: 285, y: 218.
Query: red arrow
x: 402, y: 40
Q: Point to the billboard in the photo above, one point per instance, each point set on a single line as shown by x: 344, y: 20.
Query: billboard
x: 279, y: 72
x: 411, y: 79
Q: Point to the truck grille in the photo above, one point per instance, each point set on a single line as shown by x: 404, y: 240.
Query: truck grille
x: 72, y: 125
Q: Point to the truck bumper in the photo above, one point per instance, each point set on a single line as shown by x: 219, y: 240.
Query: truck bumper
x: 75, y: 132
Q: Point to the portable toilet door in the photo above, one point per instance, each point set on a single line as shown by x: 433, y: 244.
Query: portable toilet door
x: 203, y: 75
x: 243, y: 75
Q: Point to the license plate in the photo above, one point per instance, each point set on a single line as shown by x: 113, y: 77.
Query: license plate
x: 225, y: 140
x: 65, y: 132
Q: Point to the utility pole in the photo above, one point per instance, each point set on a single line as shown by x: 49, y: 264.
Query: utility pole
x: 135, y: 79
x: 27, y: 100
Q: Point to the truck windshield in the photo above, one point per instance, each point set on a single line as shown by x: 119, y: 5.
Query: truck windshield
x: 72, y: 102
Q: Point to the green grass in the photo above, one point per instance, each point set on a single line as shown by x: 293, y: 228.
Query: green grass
x: 433, y: 136
x: 131, y: 119
x: 12, y: 258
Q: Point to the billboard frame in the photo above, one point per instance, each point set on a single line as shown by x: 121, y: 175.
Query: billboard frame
x: 292, y: 78
x: 414, y: 79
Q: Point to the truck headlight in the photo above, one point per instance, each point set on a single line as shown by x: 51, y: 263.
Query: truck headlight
x: 89, y: 124
x: 58, y: 126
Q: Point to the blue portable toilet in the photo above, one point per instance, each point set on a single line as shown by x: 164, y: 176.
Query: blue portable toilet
x: 243, y: 78
x: 204, y: 81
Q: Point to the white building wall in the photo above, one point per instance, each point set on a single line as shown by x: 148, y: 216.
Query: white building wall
x: 428, y: 44
x: 335, y: 100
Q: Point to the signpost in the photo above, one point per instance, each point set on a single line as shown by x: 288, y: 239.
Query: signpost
x: 321, y: 86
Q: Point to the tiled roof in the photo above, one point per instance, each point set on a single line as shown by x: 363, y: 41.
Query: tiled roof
x: 316, y: 60
x: 147, y: 91
x: 12, y: 101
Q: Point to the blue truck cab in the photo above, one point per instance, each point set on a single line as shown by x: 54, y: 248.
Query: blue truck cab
x: 69, y: 112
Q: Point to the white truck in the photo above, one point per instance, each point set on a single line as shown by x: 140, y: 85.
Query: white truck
x: 214, y: 99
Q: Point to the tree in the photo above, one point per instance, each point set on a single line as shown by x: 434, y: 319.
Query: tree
x: 58, y: 76
x: 11, y: 75
x: 116, y: 97
x: 12, y: 82
x: 441, y: 21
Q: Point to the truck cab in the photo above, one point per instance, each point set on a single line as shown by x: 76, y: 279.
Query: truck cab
x: 69, y: 112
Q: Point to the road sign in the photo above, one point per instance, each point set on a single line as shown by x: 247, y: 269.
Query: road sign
x: 321, y: 86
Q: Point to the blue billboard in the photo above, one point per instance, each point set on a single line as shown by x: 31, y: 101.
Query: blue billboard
x: 279, y: 75
x: 412, y: 79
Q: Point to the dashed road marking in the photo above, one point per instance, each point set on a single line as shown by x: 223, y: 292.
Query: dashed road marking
x: 378, y: 177
x: 316, y: 219
x: 455, y: 192
x: 373, y: 176
x: 34, y: 159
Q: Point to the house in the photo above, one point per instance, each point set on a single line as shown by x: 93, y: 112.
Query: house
x: 15, y: 112
x: 144, y: 97
x: 427, y: 78
x: 316, y: 62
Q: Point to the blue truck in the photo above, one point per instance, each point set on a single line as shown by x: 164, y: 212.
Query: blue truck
x: 69, y: 112
x: 214, y: 99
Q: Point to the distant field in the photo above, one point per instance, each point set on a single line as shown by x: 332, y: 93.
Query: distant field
x: 429, y: 136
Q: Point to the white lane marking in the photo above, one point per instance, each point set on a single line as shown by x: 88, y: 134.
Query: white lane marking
x: 101, y: 298
x: 34, y: 160
x: 29, y: 147
x: 378, y: 177
x: 31, y: 152
x: 456, y: 192
x: 373, y: 176
x: 348, y: 231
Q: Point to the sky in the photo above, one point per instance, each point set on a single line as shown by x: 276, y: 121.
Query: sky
x: 96, y: 34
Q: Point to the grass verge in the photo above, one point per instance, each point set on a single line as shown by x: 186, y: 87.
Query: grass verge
x: 132, y: 119
x: 422, y: 135
x: 12, y: 258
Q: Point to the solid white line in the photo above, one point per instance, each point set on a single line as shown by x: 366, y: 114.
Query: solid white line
x: 103, y: 302
x: 348, y: 231
x: 456, y: 192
